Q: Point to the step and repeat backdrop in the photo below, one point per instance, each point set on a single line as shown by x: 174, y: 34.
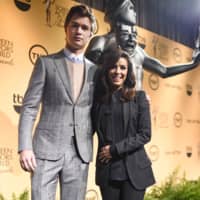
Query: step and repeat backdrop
x: 33, y: 28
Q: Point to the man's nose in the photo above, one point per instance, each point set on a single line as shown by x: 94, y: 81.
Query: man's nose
x: 79, y: 29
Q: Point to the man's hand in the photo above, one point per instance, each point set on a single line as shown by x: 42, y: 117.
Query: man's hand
x: 27, y: 160
x: 104, y: 154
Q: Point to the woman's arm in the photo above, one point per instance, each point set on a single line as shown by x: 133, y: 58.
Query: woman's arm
x: 136, y: 140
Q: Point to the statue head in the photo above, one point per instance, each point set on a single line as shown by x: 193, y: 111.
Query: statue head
x: 121, y: 11
x: 126, y: 37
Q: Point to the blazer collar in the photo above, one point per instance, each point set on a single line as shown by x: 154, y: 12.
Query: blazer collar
x: 60, y: 63
x: 64, y: 74
x: 86, y: 69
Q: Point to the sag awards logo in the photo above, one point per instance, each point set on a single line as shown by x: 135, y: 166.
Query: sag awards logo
x: 6, y: 156
x: 153, y: 81
x: 6, y: 52
x: 160, y: 50
x: 193, y: 121
x: 163, y: 121
x: 17, y: 102
x: 154, y: 115
x: 189, y: 89
x: 36, y: 51
x: 173, y: 152
x: 92, y: 195
x: 153, y: 152
x: 159, y: 119
x: 177, y: 55
x: 55, y: 14
x: 23, y: 5
x: 198, y: 150
x: 141, y: 41
x: 173, y: 86
x: 188, y: 151
x: 178, y: 119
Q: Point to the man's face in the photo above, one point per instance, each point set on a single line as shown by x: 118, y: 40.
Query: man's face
x: 126, y: 37
x: 78, y: 33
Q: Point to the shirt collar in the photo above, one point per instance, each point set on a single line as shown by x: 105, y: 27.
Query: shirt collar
x: 73, y: 57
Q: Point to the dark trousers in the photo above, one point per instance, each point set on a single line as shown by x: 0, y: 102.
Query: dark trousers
x: 121, y: 190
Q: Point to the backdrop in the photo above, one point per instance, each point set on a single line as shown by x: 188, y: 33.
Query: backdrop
x: 33, y: 28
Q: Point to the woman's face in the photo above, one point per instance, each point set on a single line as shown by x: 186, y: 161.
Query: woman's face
x: 118, y: 73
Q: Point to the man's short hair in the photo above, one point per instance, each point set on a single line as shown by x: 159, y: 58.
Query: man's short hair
x: 82, y: 11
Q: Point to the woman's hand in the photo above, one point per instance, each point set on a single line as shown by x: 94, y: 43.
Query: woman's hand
x: 104, y: 154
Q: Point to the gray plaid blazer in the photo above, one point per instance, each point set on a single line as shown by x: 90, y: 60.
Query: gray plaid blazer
x: 60, y: 118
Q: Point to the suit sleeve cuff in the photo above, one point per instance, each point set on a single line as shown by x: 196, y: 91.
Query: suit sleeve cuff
x: 113, y: 151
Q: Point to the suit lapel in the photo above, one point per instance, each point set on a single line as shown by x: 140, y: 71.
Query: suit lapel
x: 63, y: 73
x: 84, y: 85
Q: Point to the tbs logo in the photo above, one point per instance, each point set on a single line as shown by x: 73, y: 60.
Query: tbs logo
x: 17, y: 102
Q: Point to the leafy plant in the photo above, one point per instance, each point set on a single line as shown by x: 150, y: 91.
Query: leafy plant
x: 2, y: 197
x: 23, y: 196
x: 175, y: 188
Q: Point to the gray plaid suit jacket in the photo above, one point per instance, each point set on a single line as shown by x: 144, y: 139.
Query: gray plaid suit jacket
x: 60, y: 117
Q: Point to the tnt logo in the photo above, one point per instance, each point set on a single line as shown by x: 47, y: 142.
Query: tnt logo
x: 36, y: 51
x: 153, y: 82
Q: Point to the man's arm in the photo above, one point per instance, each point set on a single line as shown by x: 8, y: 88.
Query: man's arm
x: 28, y: 115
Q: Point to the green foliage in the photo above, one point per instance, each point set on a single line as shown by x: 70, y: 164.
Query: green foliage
x: 175, y: 188
x: 23, y: 196
x: 2, y: 197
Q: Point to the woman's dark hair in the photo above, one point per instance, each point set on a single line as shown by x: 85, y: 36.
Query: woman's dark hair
x: 104, y: 88
x: 82, y: 11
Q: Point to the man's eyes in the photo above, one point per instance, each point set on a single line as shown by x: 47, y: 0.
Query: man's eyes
x: 83, y: 27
